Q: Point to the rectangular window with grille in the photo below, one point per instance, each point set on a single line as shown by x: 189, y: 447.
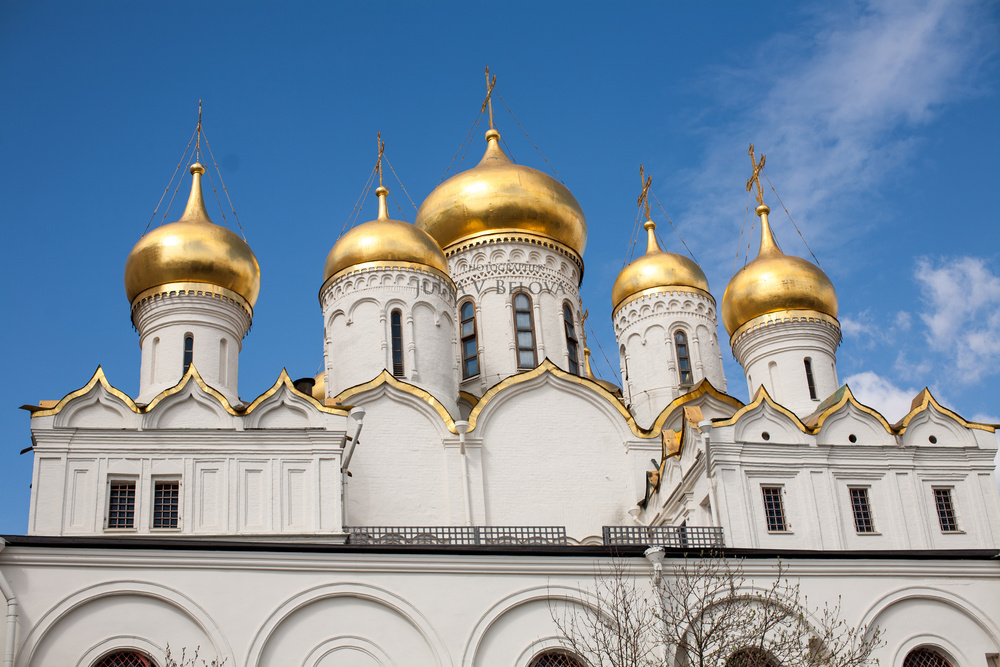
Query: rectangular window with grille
x: 774, y: 509
x: 166, y: 504
x: 121, y: 504
x: 945, y: 511
x: 862, y: 509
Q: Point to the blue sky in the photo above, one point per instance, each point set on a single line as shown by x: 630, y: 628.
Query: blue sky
x: 879, y: 121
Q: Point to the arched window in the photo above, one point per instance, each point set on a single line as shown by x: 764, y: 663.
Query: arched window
x: 188, y: 351
x: 683, y: 358
x: 470, y: 349
x: 125, y: 659
x: 396, y: 324
x: 571, y: 344
x: 556, y: 658
x: 925, y: 657
x: 809, y: 378
x: 751, y: 657
x: 524, y: 331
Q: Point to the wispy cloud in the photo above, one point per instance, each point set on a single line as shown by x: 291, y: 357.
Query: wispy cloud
x: 869, y: 329
x: 962, y: 313
x: 880, y: 393
x: 838, y: 109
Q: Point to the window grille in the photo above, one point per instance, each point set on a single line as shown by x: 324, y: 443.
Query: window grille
x: 680, y: 537
x: 125, y: 659
x: 121, y: 505
x: 925, y: 657
x: 166, y: 504
x: 861, y: 507
x: 809, y: 378
x: 945, y: 511
x: 774, y: 509
x: 751, y: 657
x: 524, y: 331
x: 555, y: 659
x: 188, y: 351
x: 571, y: 341
x: 683, y: 357
x: 396, y: 324
x: 470, y: 351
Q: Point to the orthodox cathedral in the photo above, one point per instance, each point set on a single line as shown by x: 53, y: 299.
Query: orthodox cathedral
x: 457, y: 469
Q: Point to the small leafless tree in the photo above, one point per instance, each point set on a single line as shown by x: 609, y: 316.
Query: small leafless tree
x: 703, y: 611
x: 192, y: 661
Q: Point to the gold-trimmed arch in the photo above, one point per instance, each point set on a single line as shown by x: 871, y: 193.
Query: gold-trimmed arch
x: 97, y: 378
x: 702, y: 388
x: 285, y: 380
x: 192, y: 374
x: 763, y: 397
x: 834, y: 403
x: 925, y: 400
x: 385, y: 377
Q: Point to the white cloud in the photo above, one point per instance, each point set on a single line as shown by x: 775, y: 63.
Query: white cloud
x: 962, y: 315
x: 877, y: 392
x: 867, y: 330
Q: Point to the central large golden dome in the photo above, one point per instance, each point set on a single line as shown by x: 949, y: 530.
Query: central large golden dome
x: 193, y: 250
x: 498, y: 196
x: 384, y: 241
x: 774, y: 282
x: 655, y: 270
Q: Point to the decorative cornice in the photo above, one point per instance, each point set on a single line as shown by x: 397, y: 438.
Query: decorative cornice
x: 191, y: 289
x: 666, y: 289
x: 495, y: 236
x: 781, y: 316
x: 368, y: 267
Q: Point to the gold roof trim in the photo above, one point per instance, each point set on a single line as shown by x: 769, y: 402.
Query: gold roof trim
x: 649, y: 291
x: 548, y: 367
x: 471, y: 399
x: 776, y: 316
x: 192, y: 374
x: 285, y: 380
x: 925, y: 400
x: 763, y: 397
x: 701, y: 389
x: 834, y: 403
x: 97, y: 378
x: 364, y: 267
x: 385, y: 377
x: 196, y: 288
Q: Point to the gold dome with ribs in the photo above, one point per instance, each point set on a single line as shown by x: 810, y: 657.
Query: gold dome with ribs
x: 657, y: 269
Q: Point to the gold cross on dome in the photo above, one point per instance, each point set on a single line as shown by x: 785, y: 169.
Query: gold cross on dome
x: 644, y: 195
x: 378, y: 165
x: 755, y: 178
x: 488, y: 102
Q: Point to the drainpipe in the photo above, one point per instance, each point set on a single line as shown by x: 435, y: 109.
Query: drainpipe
x: 8, y: 593
x: 655, y: 557
x: 358, y: 414
x: 463, y: 427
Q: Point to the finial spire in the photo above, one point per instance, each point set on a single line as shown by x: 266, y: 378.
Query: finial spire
x: 195, y: 210
x: 649, y: 226
x: 488, y: 102
x: 378, y: 163
x: 198, y: 143
x: 767, y: 243
x: 381, y: 191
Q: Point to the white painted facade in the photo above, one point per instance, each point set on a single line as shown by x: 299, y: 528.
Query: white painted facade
x: 261, y: 560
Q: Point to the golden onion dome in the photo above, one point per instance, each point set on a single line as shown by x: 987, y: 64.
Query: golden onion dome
x: 498, y: 196
x: 193, y: 250
x: 774, y: 282
x: 319, y: 387
x: 657, y: 270
x: 385, y: 241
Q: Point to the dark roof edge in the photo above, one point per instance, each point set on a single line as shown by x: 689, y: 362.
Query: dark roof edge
x: 580, y: 551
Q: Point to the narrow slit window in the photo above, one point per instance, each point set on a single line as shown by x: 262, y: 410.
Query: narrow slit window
x: 809, y: 378
x: 470, y: 350
x: 396, y: 324
x: 683, y: 357
x: 166, y: 504
x: 188, y: 351
x: 571, y: 341
x: 774, y: 509
x: 524, y: 331
x: 862, y: 510
x: 121, y: 504
x: 945, y: 511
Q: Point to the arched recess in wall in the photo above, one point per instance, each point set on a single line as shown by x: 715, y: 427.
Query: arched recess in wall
x: 301, y: 627
x: 50, y: 640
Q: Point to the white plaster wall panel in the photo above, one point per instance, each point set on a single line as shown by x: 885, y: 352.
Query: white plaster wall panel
x: 357, y: 347
x: 254, y: 496
x: 932, y: 429
x: 434, y: 345
x: 849, y: 421
x: 398, y: 468
x: 48, y: 484
x: 81, y: 496
x: 190, y: 408
x: 296, y: 496
x: 164, y: 322
x: 765, y: 424
x: 786, y: 344
x: 211, y: 496
x: 532, y: 466
x: 97, y: 409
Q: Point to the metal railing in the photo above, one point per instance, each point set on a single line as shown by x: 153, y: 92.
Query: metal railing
x: 681, y: 537
x: 456, y: 535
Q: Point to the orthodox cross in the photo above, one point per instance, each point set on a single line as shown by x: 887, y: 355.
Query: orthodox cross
x: 488, y: 102
x: 198, y: 144
x: 755, y: 178
x: 644, y: 195
x: 378, y: 165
